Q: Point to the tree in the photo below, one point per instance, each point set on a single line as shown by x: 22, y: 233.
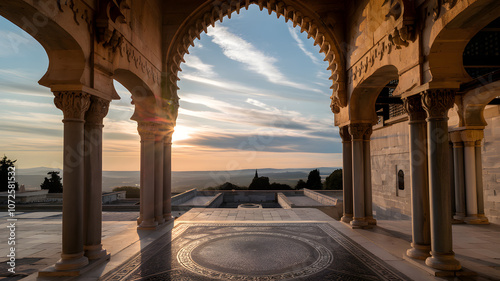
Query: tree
x: 260, y: 183
x: 334, y: 180
x: 5, y: 163
x: 280, y: 186
x: 53, y: 184
x: 301, y: 185
x: 314, y: 180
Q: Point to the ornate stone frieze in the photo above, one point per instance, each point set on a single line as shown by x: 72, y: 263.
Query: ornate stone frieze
x: 359, y: 69
x: 308, y: 21
x: 134, y: 57
x: 437, y: 102
x: 344, y: 134
x: 81, y: 13
x: 97, y: 111
x: 359, y: 130
x: 73, y: 104
x: 413, y: 106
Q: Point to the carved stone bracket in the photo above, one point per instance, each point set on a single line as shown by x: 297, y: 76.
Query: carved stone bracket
x: 403, y: 12
x: 437, y: 102
x: 215, y: 11
x: 413, y: 106
x: 134, y: 57
x: 73, y: 104
x: 97, y: 111
x: 359, y: 130
x: 438, y: 6
x: 110, y: 14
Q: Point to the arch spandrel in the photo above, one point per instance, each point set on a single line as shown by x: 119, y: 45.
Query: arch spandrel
x: 195, y: 22
x: 447, y: 32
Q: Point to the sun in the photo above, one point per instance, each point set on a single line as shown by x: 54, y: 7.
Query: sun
x: 181, y: 133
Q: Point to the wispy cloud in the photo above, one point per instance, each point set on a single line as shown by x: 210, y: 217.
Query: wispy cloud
x: 11, y: 43
x: 203, y: 69
x: 238, y: 49
x: 295, y: 35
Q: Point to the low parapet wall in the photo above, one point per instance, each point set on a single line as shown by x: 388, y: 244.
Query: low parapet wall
x: 284, y: 202
x: 216, y: 202
x: 321, y: 198
x: 184, y: 197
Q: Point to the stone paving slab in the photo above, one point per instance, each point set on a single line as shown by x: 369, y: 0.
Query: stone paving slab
x: 303, y: 201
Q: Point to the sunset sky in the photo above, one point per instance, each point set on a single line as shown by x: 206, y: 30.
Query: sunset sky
x: 254, y: 94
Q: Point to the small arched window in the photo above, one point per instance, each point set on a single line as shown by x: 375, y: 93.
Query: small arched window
x: 401, y: 180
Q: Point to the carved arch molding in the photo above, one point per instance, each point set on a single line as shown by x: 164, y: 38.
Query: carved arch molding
x: 309, y: 22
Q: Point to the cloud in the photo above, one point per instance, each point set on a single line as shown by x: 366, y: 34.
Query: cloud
x: 205, y: 70
x: 295, y: 35
x: 237, y: 49
x: 11, y: 42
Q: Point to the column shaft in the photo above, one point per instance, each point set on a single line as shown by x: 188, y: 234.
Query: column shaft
x: 147, y: 131
x: 367, y: 171
x: 437, y: 103
x: 357, y: 132
x: 479, y: 183
x: 74, y: 105
x: 470, y: 181
x: 159, y: 159
x: 347, y: 174
x: 420, y: 216
x: 93, y: 178
x: 167, y: 176
x: 458, y: 158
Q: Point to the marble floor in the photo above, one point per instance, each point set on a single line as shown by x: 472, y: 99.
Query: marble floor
x: 307, y: 245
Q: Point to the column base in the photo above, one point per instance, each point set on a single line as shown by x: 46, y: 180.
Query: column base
x: 476, y: 219
x: 443, y: 261
x: 71, y: 261
x: 148, y: 224
x: 347, y: 218
x: 359, y: 223
x: 160, y: 220
x: 419, y: 252
x: 167, y: 216
x: 94, y: 252
x: 139, y: 220
x: 371, y: 220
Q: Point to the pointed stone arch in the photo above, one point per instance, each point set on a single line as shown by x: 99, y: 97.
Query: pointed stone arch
x: 320, y: 29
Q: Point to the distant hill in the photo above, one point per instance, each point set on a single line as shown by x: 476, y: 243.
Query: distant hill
x: 181, y: 181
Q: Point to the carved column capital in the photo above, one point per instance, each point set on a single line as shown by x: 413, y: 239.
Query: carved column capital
x: 413, y: 106
x: 437, y: 102
x: 456, y: 138
x: 147, y: 130
x: 97, y: 111
x: 169, y: 131
x: 359, y: 130
x: 470, y: 137
x: 73, y: 104
x: 344, y: 134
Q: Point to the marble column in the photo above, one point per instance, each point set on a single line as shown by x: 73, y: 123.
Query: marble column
x: 458, y: 164
x: 357, y: 131
x: 74, y: 105
x: 436, y: 103
x: 147, y: 131
x: 167, y: 174
x: 92, y: 207
x: 159, y: 159
x: 346, y: 173
x: 367, y: 171
x: 479, y: 181
x: 420, y: 217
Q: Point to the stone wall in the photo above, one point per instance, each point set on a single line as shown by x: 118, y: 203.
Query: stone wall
x: 491, y: 164
x: 389, y: 154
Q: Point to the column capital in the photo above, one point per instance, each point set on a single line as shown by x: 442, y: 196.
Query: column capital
x: 344, y: 134
x: 437, y: 102
x: 471, y: 136
x: 148, y: 130
x: 73, y: 104
x: 456, y: 137
x: 169, y: 131
x: 359, y: 130
x: 413, y: 106
x: 98, y: 109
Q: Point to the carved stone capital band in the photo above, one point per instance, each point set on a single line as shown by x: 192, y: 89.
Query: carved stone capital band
x: 73, y: 104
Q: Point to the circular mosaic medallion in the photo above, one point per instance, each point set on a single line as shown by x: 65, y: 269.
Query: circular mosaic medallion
x: 254, y: 256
